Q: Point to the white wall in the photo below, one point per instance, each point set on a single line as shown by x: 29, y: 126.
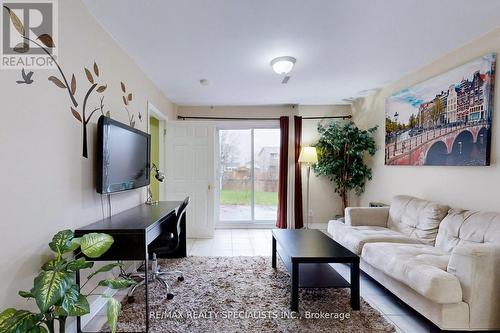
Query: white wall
x: 46, y: 185
x: 467, y: 187
x: 324, y: 203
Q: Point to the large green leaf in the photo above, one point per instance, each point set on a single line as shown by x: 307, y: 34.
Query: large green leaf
x: 74, y: 244
x: 94, y: 245
x: 6, y: 314
x: 117, y: 283
x: 25, y: 294
x: 38, y: 329
x: 79, y: 263
x: 61, y: 241
x: 114, y: 308
x: 80, y: 307
x: 49, y: 288
x: 105, y: 268
x: 18, y: 321
x: 74, y: 303
x: 53, y: 265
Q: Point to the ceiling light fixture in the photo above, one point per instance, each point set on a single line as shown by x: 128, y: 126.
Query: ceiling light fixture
x: 283, y: 65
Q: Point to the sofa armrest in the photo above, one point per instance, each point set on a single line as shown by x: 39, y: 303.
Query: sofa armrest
x: 477, y: 267
x: 367, y: 216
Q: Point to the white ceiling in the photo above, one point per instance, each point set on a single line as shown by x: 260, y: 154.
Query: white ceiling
x: 342, y: 46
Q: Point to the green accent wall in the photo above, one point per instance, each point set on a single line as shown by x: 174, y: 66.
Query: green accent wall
x: 154, y: 130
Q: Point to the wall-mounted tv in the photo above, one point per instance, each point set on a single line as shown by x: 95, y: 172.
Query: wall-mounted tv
x: 122, y: 157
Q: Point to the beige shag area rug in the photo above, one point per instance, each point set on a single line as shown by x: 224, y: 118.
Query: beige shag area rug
x: 244, y: 294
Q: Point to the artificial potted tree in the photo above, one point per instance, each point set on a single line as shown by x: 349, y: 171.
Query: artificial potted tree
x: 341, y: 151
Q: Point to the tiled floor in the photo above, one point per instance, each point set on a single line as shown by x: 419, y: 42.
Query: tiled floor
x: 233, y: 242
x: 256, y: 242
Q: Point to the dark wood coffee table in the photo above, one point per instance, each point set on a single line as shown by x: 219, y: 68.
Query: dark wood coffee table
x: 307, y: 254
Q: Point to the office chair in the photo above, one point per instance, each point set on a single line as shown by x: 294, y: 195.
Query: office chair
x: 166, y: 244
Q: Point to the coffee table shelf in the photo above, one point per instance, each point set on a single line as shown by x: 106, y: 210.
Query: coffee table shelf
x: 307, y: 255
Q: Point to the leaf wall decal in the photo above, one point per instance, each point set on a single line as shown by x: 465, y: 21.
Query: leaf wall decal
x: 15, y: 21
x: 124, y: 100
x: 89, y: 75
x: 101, y: 89
x: 22, y: 47
x: 76, y: 114
x: 46, y: 40
x: 96, y: 69
x: 129, y: 97
x: 73, y: 84
x: 57, y: 82
x: 123, y: 87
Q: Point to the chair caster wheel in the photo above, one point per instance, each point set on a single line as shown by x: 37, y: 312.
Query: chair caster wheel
x: 130, y: 299
x: 170, y: 296
x: 180, y: 278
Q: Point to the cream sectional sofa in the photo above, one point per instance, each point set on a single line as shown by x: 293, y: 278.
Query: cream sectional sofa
x: 444, y: 263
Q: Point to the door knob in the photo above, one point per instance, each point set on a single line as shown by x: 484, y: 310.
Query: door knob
x: 209, y: 187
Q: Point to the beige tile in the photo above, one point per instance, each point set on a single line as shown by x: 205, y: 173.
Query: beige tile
x: 221, y: 253
x: 243, y: 252
x: 410, y: 324
x: 388, y: 305
x: 95, y: 324
x: 262, y: 252
x: 222, y: 245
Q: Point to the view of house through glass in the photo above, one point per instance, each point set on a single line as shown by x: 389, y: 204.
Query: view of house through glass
x: 249, y: 161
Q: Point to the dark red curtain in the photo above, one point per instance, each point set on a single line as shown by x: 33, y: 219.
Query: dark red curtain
x: 283, y: 174
x: 299, y: 218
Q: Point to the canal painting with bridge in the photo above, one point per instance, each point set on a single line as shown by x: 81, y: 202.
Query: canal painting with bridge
x: 445, y: 120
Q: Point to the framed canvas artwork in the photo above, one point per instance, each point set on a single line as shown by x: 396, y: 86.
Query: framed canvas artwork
x: 445, y: 120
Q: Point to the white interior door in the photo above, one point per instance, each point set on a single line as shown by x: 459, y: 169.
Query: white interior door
x: 190, y: 172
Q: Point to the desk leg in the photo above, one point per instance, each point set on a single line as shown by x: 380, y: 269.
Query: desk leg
x: 273, y: 264
x: 355, y: 286
x: 295, y: 286
x: 146, y: 288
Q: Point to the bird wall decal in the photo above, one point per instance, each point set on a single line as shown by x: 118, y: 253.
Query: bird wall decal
x: 27, y: 78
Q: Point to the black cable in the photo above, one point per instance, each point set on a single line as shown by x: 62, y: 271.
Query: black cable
x: 102, y: 207
x: 109, y: 205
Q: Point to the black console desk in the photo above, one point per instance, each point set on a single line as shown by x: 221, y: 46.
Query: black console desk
x: 133, y: 230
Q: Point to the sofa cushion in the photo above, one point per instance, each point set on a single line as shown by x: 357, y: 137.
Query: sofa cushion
x: 465, y: 226
x: 421, y: 267
x: 416, y: 218
x: 355, y: 237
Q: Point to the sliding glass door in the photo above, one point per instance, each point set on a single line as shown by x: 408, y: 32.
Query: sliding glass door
x: 248, y: 175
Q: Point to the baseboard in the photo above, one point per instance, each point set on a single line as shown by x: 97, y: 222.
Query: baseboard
x: 245, y: 226
x: 97, y: 305
x: 319, y: 226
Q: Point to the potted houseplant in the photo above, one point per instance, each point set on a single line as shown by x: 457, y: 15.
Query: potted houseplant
x: 55, y: 292
x: 341, y: 151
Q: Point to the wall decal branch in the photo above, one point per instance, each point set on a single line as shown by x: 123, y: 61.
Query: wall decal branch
x: 46, y: 42
x: 127, y: 98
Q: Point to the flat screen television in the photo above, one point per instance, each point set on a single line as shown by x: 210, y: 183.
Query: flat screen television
x: 122, y: 157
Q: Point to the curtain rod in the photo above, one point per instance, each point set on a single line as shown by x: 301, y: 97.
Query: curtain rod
x: 243, y: 118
